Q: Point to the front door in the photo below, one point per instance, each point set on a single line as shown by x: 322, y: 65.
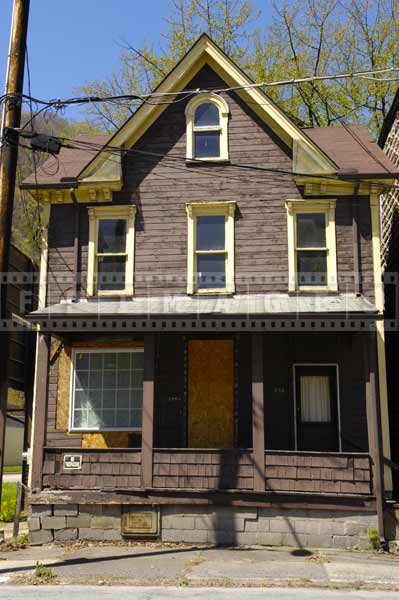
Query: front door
x: 211, y: 394
x: 317, y: 408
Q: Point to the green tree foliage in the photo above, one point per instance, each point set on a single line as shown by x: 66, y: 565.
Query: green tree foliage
x: 230, y: 23
x: 302, y: 38
x: 309, y: 37
x: 26, y: 215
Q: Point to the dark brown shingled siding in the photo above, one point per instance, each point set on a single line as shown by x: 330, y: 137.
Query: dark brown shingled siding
x: 60, y: 253
x: 282, y: 351
x: 161, y: 187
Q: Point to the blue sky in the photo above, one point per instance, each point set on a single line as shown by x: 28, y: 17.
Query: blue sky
x: 74, y: 41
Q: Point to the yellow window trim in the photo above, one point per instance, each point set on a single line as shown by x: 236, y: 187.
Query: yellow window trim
x: 223, y: 128
x: 194, y: 210
x: 312, y: 206
x: 111, y: 212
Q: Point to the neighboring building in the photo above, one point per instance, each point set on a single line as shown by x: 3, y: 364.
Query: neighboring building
x: 214, y: 303
x: 389, y: 141
x: 21, y: 296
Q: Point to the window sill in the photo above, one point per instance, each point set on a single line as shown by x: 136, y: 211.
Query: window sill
x: 111, y: 294
x: 99, y: 431
x: 201, y: 161
x: 314, y: 290
x: 212, y: 292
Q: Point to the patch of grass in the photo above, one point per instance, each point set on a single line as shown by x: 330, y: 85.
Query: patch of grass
x: 8, y: 501
x: 15, y: 543
x: 16, y: 469
x: 43, y: 572
x: 374, y: 538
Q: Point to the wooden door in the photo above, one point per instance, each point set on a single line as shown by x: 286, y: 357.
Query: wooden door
x: 211, y: 394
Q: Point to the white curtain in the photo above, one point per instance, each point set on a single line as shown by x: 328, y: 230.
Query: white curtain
x: 315, y: 398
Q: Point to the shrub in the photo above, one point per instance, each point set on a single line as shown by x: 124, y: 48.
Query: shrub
x: 43, y: 572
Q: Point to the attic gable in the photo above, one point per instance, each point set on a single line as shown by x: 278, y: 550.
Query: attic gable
x: 307, y: 156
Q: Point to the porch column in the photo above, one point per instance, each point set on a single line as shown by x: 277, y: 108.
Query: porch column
x: 147, y: 439
x: 258, y: 421
x: 39, y: 413
x: 374, y: 425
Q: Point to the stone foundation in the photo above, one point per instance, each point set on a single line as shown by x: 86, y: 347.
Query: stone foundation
x: 207, y: 525
x: 71, y: 522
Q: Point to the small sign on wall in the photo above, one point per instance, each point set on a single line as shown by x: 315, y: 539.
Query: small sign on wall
x: 140, y: 521
x: 72, y: 461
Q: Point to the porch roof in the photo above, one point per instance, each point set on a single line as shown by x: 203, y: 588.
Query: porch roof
x: 179, y: 305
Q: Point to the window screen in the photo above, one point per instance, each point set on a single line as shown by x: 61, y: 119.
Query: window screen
x: 107, y: 390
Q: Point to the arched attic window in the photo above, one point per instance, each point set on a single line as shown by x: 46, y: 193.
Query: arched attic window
x: 207, y: 128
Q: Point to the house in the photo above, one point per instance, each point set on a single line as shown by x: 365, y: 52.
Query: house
x: 389, y: 141
x: 210, y: 363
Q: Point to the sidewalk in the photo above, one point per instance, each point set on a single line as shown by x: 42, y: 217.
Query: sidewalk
x: 153, y: 564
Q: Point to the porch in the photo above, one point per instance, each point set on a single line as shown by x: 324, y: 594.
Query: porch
x: 251, y: 412
x: 262, y: 468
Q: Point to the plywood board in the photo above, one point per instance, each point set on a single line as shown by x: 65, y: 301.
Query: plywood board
x: 211, y: 393
x: 63, y: 389
x: 108, y: 439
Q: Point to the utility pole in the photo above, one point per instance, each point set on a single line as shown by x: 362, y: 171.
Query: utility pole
x: 9, y: 156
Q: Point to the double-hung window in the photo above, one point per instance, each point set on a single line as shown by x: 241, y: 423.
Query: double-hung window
x: 210, y: 247
x: 111, y: 250
x: 207, y: 123
x: 311, y: 245
x: 107, y: 390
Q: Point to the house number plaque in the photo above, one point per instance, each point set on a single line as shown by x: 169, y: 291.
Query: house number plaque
x: 72, y: 461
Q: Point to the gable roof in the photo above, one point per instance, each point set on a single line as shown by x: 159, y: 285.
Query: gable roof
x: 66, y: 167
x: 325, y: 150
x: 353, y: 150
x: 203, y: 52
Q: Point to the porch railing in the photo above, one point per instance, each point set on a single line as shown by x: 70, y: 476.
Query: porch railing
x: 100, y: 468
x: 211, y: 469
x: 318, y: 472
x: 203, y: 469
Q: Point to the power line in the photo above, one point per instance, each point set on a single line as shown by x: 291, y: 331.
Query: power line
x: 60, y: 103
x: 173, y: 161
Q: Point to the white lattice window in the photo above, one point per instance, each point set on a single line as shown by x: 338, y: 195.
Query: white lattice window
x: 107, y: 389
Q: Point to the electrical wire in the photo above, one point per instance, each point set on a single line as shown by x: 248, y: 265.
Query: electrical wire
x: 150, y: 96
x: 172, y: 161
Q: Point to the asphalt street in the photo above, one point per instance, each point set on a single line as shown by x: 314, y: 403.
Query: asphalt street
x: 183, y: 593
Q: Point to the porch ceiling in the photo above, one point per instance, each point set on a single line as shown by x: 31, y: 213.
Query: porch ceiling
x: 251, y: 305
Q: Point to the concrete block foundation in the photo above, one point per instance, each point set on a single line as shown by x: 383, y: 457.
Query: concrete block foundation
x: 221, y: 525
